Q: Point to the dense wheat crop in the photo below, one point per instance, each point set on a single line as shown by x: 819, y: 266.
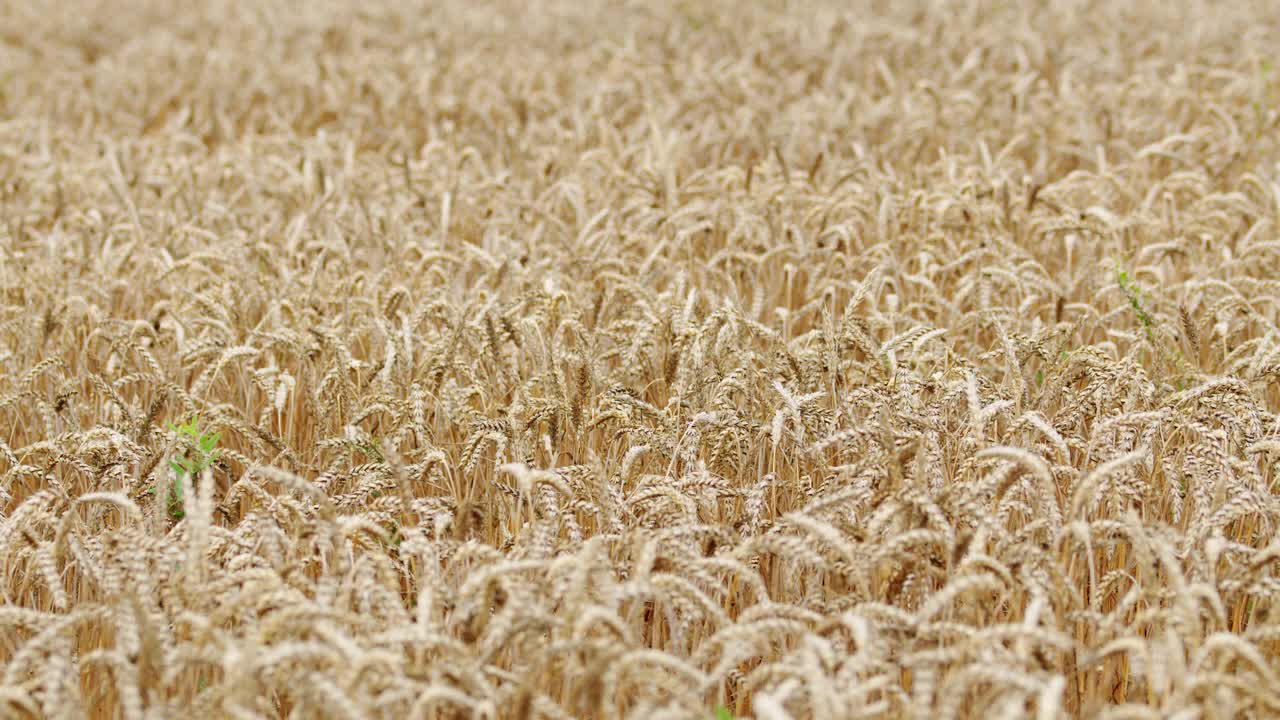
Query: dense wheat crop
x: 639, y: 360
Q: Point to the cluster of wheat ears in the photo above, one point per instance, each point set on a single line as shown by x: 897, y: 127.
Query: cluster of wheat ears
x: 575, y: 359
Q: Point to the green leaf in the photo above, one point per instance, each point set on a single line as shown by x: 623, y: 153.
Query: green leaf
x: 209, y: 442
x: 723, y: 713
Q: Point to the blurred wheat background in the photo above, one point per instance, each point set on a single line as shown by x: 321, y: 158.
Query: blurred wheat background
x: 639, y: 360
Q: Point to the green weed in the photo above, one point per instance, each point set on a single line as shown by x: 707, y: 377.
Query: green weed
x: 199, y: 451
x: 1134, y: 294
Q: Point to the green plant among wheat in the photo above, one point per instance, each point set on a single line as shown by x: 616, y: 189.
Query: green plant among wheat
x: 198, y: 451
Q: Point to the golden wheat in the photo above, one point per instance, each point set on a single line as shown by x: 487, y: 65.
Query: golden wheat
x: 626, y: 360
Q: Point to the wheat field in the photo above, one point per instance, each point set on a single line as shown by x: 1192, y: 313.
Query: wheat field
x: 574, y: 359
